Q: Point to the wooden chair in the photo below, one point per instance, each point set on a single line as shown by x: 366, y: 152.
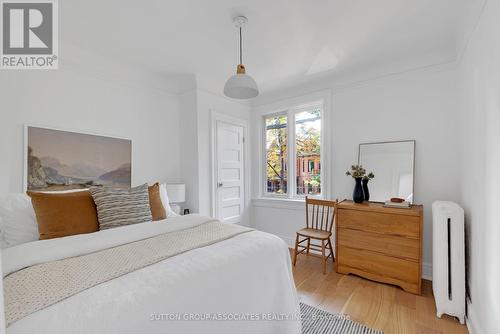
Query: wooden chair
x: 319, y: 227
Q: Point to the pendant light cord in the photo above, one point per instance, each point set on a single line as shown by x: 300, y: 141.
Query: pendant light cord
x: 241, y: 56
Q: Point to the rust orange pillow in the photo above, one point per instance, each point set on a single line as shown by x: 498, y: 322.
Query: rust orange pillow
x: 158, y: 212
x: 63, y: 214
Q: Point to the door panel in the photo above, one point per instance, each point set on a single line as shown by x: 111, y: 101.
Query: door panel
x: 230, y: 193
x: 230, y: 172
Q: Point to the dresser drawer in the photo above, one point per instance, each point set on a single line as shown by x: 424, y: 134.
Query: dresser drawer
x: 396, y: 246
x: 385, y: 268
x: 382, y: 223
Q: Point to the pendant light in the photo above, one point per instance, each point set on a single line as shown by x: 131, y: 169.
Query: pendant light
x: 241, y: 85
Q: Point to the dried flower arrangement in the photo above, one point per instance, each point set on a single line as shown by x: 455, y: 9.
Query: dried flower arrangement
x: 369, y: 176
x: 361, y: 192
x: 357, y: 172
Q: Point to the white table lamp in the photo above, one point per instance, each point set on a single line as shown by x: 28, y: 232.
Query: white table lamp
x: 176, y: 194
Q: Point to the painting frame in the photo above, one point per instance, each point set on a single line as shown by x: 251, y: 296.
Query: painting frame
x: 26, y: 127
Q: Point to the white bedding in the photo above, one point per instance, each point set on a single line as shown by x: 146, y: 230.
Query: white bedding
x: 247, y: 275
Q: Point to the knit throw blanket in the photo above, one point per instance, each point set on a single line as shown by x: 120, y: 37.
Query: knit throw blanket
x: 35, y: 288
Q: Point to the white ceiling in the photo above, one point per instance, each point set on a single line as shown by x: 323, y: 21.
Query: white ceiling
x: 286, y: 41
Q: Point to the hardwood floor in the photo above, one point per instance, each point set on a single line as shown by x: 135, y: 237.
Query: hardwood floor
x: 379, y: 306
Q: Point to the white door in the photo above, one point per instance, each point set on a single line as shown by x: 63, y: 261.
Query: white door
x: 230, y: 184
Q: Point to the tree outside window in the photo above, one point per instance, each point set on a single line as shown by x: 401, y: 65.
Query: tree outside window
x: 308, y: 151
x: 276, y: 154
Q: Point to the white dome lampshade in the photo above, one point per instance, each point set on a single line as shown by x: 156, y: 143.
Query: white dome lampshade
x: 241, y: 85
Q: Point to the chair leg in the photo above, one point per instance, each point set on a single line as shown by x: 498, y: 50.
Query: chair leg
x: 296, y: 250
x: 323, y: 256
x: 331, y: 249
x: 308, y: 245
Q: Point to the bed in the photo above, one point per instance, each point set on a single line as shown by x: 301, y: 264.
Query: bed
x: 242, y: 284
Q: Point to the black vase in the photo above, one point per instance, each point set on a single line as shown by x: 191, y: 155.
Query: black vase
x: 365, y: 189
x: 357, y: 195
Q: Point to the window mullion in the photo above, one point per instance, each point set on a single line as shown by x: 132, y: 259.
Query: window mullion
x: 264, y: 157
x: 292, y: 187
x: 323, y: 157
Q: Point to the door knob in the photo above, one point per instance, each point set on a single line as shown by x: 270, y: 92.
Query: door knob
x: 219, y: 184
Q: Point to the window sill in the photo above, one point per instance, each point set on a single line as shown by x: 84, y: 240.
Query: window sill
x: 279, y: 203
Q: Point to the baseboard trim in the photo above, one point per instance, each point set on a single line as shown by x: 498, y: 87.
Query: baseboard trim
x: 290, y: 242
x: 427, y: 271
x: 426, y: 266
x: 471, y: 319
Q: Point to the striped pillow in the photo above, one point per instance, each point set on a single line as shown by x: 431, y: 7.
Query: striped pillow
x: 118, y: 207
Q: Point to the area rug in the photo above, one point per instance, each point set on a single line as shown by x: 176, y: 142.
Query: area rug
x: 316, y: 321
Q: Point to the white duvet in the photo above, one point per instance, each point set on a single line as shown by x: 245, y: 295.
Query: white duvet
x: 247, y: 277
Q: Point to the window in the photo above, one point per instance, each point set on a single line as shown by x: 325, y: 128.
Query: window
x: 297, y: 131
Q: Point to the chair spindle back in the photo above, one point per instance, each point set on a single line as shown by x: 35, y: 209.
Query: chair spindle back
x: 321, y: 212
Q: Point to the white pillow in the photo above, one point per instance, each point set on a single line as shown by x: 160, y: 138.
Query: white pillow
x: 165, y: 202
x: 18, y: 221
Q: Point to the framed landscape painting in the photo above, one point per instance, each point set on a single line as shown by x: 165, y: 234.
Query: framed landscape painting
x: 62, y: 160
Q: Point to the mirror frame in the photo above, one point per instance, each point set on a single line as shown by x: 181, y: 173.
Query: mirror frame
x: 394, y: 142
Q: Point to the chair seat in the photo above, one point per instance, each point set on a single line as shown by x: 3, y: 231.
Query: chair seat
x: 314, y: 233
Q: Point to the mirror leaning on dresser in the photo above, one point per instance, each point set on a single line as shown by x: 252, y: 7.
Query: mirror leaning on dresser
x: 393, y: 164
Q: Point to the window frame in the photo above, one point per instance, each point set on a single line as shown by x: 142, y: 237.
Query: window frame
x: 291, y: 113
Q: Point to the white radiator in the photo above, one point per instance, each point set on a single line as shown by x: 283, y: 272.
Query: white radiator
x: 448, y: 259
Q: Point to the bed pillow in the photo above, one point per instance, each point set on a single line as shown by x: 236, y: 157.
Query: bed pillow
x: 64, y: 214
x: 158, y: 211
x: 119, y: 207
x: 165, y: 201
x: 18, y: 222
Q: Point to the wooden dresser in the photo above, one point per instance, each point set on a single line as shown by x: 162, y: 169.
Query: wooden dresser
x: 379, y: 243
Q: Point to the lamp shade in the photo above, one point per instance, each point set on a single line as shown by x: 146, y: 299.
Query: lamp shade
x: 241, y: 86
x: 176, y: 192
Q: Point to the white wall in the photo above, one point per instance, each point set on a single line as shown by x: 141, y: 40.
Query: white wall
x: 189, y: 148
x: 197, y: 106
x: 90, y: 99
x: 420, y: 105
x: 166, y: 116
x: 480, y: 93
x: 207, y: 103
